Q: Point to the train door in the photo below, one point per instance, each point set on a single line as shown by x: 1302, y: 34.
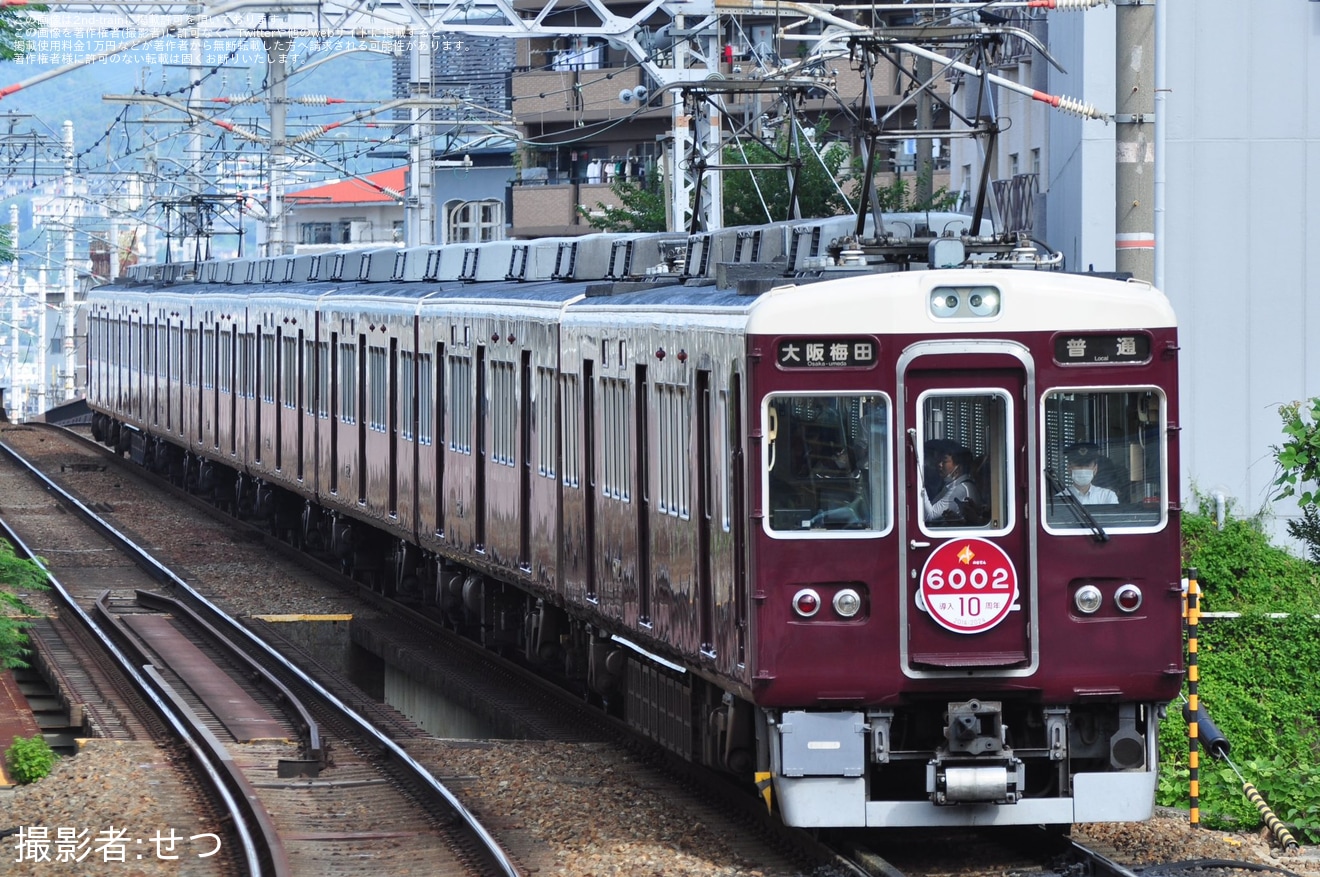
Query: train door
x: 968, y: 557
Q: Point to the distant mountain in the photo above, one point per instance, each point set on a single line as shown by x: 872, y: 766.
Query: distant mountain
x: 77, y: 97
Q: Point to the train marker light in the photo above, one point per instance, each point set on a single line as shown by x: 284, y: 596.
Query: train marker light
x: 984, y: 302
x: 965, y: 302
x: 943, y: 303
x: 847, y: 603
x: 1087, y: 599
x: 1128, y: 598
x: 806, y: 602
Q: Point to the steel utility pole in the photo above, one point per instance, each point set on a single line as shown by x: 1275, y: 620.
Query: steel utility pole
x: 277, y: 76
x: 70, y: 358
x: 1134, y: 139
x: 16, y: 278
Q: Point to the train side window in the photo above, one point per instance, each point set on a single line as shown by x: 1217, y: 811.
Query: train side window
x: 425, y: 399
x: 1104, y: 457
x: 348, y: 383
x: 826, y: 461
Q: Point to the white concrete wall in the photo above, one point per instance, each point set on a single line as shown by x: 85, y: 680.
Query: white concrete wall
x: 1241, y: 252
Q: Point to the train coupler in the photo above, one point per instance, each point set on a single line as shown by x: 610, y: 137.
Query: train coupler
x: 975, y: 782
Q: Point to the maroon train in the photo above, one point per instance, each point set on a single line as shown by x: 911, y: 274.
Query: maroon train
x: 830, y: 534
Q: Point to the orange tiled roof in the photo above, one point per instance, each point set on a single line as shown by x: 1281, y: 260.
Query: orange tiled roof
x: 353, y: 191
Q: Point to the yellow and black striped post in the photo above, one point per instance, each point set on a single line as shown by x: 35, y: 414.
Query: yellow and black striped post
x: 1193, y: 677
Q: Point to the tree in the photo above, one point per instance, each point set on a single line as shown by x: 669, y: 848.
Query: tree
x: 898, y: 196
x: 16, y: 575
x: 6, y: 244
x: 643, y: 208
x: 752, y: 197
x: 1298, y: 459
x: 14, y: 28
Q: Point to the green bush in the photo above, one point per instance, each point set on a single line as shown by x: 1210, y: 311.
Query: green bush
x: 1258, y: 679
x: 30, y: 759
x: 16, y: 576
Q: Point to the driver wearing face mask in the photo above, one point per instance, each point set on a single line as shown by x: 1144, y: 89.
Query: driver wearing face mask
x: 1083, y: 463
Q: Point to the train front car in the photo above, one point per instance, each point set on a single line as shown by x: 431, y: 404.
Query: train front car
x: 966, y: 564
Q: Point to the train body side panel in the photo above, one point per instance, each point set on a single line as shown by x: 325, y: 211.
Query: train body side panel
x: 539, y: 453
x: 577, y: 496
x: 388, y: 334
x: 429, y: 473
x: 500, y: 458
x: 340, y: 441
x: 461, y: 453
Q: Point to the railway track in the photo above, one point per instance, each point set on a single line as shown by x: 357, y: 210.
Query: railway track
x: 360, y: 810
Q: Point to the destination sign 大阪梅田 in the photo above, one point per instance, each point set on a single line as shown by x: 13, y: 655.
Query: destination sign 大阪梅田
x: 826, y: 353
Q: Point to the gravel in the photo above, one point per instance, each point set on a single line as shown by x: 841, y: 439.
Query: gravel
x: 124, y: 785
x: 110, y: 785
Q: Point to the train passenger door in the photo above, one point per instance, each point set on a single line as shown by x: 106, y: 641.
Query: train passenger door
x: 968, y: 550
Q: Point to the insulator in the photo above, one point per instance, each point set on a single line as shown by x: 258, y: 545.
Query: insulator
x: 314, y: 100
x: 1078, y: 108
x: 1067, y: 5
x: 310, y: 135
x: 235, y: 99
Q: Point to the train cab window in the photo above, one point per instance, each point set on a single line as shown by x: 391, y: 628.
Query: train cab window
x: 966, y: 471
x: 827, y: 464
x: 1103, y: 459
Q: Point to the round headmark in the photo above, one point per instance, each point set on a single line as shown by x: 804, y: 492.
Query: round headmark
x: 968, y: 585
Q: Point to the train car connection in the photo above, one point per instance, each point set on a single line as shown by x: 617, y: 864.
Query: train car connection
x: 902, y: 541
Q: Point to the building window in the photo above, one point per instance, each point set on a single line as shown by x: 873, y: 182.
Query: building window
x: 476, y: 221
x: 314, y: 233
x: 352, y: 230
x: 1013, y: 165
x: 1035, y: 162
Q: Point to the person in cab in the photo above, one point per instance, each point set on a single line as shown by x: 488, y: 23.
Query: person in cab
x: 957, y: 494
x: 1083, y: 465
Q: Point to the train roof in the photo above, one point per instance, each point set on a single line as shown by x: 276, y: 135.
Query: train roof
x: 778, y: 278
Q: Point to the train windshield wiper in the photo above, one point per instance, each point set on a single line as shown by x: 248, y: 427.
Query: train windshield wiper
x: 1075, y: 506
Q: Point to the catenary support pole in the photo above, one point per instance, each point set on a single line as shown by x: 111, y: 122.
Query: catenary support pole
x: 1134, y: 138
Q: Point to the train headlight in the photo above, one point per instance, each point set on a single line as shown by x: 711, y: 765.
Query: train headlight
x: 847, y: 603
x: 943, y: 303
x: 1087, y: 599
x: 806, y: 602
x: 1128, y: 598
x: 983, y: 301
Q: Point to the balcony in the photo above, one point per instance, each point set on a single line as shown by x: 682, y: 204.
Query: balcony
x: 556, y: 97
x: 549, y: 208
